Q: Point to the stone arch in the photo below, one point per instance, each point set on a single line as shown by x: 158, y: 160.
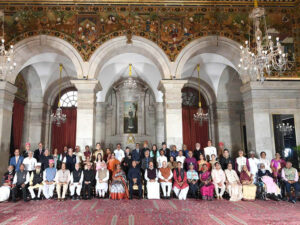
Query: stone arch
x: 139, y: 45
x: 210, y: 44
x: 30, y: 47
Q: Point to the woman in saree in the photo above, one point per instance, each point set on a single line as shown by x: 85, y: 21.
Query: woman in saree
x: 249, y: 189
x: 118, y: 188
x: 201, y: 162
x: 276, y: 165
x: 206, y: 186
x: 112, y: 162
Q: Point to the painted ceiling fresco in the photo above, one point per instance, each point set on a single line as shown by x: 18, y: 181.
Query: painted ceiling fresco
x: 86, y: 27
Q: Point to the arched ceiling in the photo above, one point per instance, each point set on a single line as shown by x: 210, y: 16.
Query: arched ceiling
x: 118, y: 66
x: 211, y: 68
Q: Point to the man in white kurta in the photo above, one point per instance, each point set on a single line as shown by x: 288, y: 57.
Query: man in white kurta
x: 62, y: 180
x: 253, y: 163
x: 76, y: 182
x: 36, y: 182
x: 161, y: 158
x: 233, y: 184
x: 49, y: 180
x: 30, y: 162
x: 119, y: 153
x: 165, y: 176
x: 151, y: 176
x: 218, y: 177
x: 102, y: 177
x: 210, y: 150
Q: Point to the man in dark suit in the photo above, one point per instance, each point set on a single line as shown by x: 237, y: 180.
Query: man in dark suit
x: 166, y: 150
x: 38, y: 153
x: 137, y: 155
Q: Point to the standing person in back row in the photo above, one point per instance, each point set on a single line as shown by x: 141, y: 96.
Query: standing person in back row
x: 119, y: 153
x: 210, y: 150
x: 38, y: 153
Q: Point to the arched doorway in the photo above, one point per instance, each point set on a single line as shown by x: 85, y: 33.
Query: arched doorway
x: 192, y: 131
x: 20, y: 101
x: 65, y: 135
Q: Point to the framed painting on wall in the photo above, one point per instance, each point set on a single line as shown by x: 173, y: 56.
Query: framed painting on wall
x: 130, y: 118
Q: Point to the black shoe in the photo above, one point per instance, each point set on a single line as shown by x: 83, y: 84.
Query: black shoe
x: 73, y: 197
x: 26, y: 200
x: 78, y: 198
x: 34, y: 199
x: 292, y: 201
x: 130, y: 197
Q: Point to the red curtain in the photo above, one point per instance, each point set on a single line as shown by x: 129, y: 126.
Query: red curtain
x: 192, y: 131
x: 17, y: 124
x: 65, y: 135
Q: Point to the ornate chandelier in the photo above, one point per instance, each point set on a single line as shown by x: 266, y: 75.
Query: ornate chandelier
x: 7, y: 64
x: 130, y: 82
x: 285, y: 128
x: 200, y: 116
x: 58, y: 117
x: 265, y: 56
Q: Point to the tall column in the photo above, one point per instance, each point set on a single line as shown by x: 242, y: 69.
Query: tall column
x: 159, y: 123
x: 172, y: 110
x: 100, y: 122
x: 7, y: 95
x: 86, y: 111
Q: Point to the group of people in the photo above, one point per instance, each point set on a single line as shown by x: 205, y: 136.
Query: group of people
x: 202, y: 173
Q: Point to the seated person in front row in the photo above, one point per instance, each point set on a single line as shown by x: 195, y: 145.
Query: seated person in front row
x: 102, y: 177
x: 165, y: 176
x: 180, y: 185
x: 249, y: 189
x: 36, y: 182
x: 49, y: 180
x: 193, y: 178
x: 151, y: 176
x: 119, y: 188
x: 233, y: 184
x: 206, y: 185
x: 134, y: 177
x: 266, y: 184
x: 6, y: 183
x: 20, y: 182
x: 290, y: 177
x: 88, y: 181
x: 62, y: 180
x: 76, y: 182
x: 218, y: 177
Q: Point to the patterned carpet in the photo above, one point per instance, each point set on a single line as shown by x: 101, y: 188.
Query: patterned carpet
x: 149, y: 212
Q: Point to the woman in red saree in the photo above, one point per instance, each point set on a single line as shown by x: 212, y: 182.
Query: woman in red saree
x: 119, y: 188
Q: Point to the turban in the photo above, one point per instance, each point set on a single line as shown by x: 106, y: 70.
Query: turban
x: 51, y: 161
x: 27, y: 144
x: 221, y: 144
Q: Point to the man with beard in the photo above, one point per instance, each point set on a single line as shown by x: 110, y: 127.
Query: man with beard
x: 49, y: 180
x: 102, y: 177
x: 6, y: 183
x: 198, y: 151
x: 76, y: 182
x: 20, y: 182
x: 36, y: 182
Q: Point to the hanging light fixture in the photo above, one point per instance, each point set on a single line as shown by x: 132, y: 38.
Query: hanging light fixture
x: 7, y: 64
x: 58, y: 117
x: 285, y: 128
x: 200, y: 116
x: 265, y: 57
x: 130, y: 82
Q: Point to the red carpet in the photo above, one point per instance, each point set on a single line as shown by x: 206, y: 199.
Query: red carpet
x: 148, y: 212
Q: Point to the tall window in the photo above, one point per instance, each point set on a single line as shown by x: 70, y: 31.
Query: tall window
x: 69, y: 99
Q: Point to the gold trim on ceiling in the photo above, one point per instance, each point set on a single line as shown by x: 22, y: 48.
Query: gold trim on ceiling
x: 153, y: 2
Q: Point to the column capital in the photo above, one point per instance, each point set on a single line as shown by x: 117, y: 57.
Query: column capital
x: 7, y: 86
x: 87, y: 85
x: 165, y: 85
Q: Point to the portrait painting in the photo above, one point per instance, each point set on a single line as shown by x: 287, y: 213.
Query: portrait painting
x: 130, y: 118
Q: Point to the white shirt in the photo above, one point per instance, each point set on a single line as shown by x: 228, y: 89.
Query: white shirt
x: 241, y: 161
x: 266, y: 162
x: 208, y: 151
x: 120, y: 155
x: 30, y: 163
x: 180, y: 159
x: 253, y: 163
x: 80, y: 181
x: 160, y: 160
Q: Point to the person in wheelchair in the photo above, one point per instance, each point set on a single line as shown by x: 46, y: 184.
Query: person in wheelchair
x: 266, y: 187
x: 134, y: 177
